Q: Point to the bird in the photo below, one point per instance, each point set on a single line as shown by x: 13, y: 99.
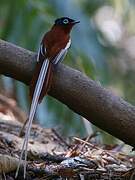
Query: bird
x: 52, y: 50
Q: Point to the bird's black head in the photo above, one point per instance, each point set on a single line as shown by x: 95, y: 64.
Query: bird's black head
x: 65, y: 21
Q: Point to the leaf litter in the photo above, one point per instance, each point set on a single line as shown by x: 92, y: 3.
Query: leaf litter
x: 52, y: 157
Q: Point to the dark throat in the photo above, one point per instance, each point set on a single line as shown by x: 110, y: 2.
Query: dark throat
x: 65, y: 29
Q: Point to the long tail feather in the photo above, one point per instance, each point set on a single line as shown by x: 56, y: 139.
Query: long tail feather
x: 34, y: 104
x: 47, y: 82
x: 35, y: 78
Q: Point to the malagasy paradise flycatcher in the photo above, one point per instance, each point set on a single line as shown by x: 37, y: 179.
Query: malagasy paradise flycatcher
x: 52, y: 50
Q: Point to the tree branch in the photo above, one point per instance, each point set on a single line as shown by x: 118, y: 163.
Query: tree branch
x: 77, y: 91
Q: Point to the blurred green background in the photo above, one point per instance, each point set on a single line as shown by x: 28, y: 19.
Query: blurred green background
x: 103, y: 47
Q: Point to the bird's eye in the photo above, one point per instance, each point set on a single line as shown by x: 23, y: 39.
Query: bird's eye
x: 65, y: 21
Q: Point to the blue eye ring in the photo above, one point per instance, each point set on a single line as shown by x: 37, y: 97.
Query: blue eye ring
x: 65, y: 21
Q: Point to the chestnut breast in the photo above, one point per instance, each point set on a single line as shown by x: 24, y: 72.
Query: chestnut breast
x: 55, y: 40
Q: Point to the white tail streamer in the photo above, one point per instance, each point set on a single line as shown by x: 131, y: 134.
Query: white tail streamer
x: 34, y: 104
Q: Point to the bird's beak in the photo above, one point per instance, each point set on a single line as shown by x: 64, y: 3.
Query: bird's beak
x: 75, y: 22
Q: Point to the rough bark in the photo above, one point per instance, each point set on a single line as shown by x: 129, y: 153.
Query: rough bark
x: 81, y: 94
